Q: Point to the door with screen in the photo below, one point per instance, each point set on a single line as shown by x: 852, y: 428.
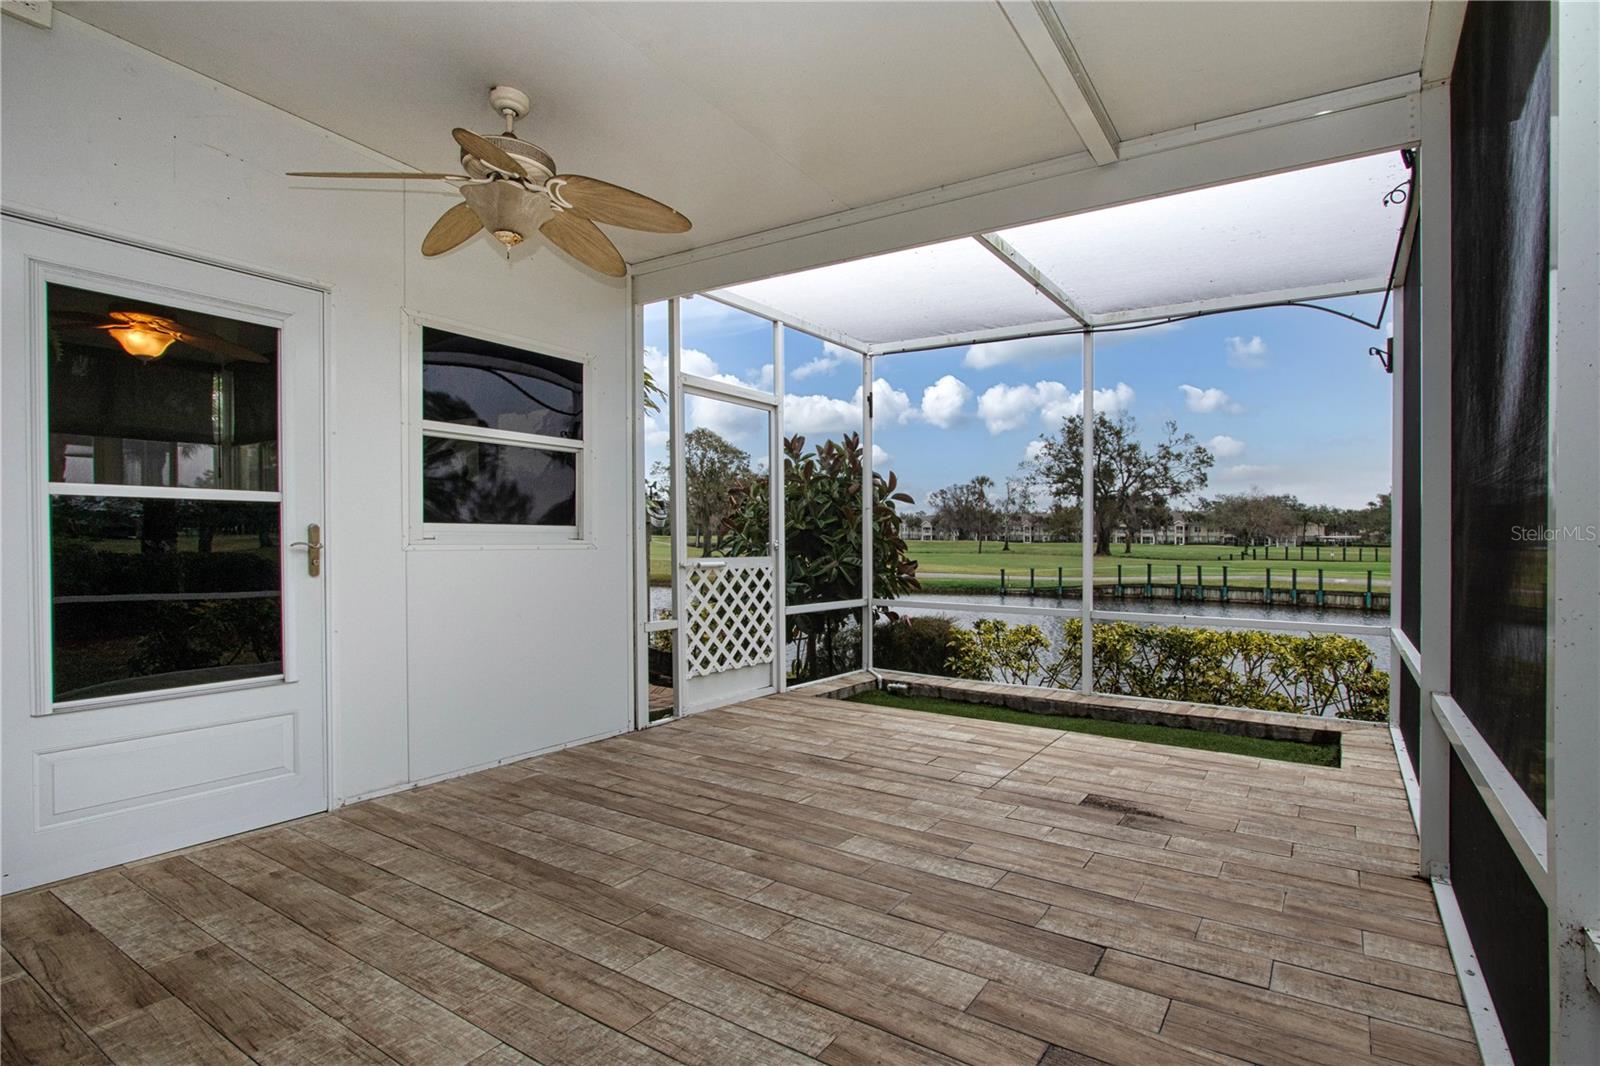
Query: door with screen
x: 161, y: 493
x: 727, y: 571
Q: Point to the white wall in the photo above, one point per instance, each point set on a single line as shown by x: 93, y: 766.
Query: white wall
x: 443, y: 659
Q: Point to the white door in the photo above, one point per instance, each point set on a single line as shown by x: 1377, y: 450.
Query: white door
x: 725, y: 546
x: 163, y: 634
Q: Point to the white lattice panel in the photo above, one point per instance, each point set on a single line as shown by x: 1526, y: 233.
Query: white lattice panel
x: 729, y: 615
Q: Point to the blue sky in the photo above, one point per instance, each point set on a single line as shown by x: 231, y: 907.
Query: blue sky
x: 1288, y: 399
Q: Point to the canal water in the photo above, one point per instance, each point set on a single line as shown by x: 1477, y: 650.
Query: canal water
x: 661, y: 600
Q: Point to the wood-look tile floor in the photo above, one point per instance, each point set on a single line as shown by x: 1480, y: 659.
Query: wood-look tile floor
x: 781, y: 881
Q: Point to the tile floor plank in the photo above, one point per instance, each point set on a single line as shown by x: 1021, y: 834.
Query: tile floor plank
x: 790, y: 879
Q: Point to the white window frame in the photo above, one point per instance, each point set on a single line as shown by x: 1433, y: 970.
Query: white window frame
x: 420, y: 534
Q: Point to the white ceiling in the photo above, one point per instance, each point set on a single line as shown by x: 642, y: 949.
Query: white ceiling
x: 747, y: 116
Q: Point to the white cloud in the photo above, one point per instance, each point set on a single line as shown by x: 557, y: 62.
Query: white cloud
x: 944, y: 401
x: 1246, y: 354
x: 743, y: 426
x: 889, y: 404
x: 1021, y: 350
x: 807, y: 415
x: 879, y: 457
x: 831, y: 359
x: 1225, y: 447
x: 1034, y: 449
x: 1008, y: 407
x: 813, y: 414
x: 1245, y: 471
x: 1208, y: 401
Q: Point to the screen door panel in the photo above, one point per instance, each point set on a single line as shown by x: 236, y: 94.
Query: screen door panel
x: 727, y: 565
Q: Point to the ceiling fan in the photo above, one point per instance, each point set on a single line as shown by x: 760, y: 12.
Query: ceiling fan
x: 511, y: 189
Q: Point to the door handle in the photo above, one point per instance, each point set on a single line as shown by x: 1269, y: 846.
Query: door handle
x: 313, y: 546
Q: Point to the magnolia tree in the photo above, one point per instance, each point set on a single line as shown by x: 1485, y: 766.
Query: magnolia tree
x: 822, y: 513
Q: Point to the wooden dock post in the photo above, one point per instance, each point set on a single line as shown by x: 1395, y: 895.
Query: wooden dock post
x: 1267, y: 592
x: 1319, y: 586
x: 1224, y: 584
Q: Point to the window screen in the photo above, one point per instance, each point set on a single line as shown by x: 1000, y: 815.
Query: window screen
x: 502, y: 434
x: 1500, y: 122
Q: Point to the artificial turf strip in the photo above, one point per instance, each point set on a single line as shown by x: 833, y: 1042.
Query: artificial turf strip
x: 1203, y: 739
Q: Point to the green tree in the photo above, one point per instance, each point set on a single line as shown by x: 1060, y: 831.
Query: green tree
x: 1256, y: 517
x: 967, y: 510
x: 1132, y: 480
x: 822, y: 541
x: 712, y: 468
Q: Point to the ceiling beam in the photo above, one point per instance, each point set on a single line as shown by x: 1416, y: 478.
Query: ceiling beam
x: 1014, y: 259
x: 1039, y: 29
x: 1444, y: 34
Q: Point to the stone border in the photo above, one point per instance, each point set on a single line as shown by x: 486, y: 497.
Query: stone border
x: 1240, y: 721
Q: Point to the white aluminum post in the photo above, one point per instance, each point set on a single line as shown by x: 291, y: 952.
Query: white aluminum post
x: 866, y: 511
x: 1434, y: 556
x: 680, y: 506
x: 775, y: 514
x: 1397, y: 490
x: 1086, y: 509
x: 1573, y: 731
x: 640, y: 538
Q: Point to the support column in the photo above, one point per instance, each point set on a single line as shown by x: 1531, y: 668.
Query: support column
x: 1573, y: 731
x: 866, y: 511
x: 680, y: 506
x: 1434, y: 490
x: 1086, y: 605
x: 775, y: 512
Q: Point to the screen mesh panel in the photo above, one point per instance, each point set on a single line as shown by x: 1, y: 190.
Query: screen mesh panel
x: 1505, y: 917
x: 1317, y: 226
x: 1410, y: 713
x: 1324, y: 228
x: 1500, y: 129
x: 954, y: 287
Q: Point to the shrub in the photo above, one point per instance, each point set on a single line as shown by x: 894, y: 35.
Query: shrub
x: 1315, y: 675
x: 919, y: 644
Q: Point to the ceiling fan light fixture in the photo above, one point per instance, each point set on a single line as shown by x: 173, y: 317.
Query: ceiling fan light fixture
x: 508, y: 237
x: 141, y: 342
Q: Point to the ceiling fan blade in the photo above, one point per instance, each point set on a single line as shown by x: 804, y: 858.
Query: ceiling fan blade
x: 487, y: 152
x: 616, y: 206
x: 225, y: 351
x: 456, y: 225
x: 400, y: 174
x: 582, y: 240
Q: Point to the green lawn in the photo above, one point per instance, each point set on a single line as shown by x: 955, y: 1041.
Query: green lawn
x: 950, y: 564
x: 1203, y: 739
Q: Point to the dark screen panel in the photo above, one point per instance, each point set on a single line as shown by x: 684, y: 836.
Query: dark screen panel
x: 1410, y: 714
x: 1500, y: 217
x: 471, y: 482
x: 474, y: 382
x: 1410, y: 502
x: 159, y: 593
x: 1505, y: 917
